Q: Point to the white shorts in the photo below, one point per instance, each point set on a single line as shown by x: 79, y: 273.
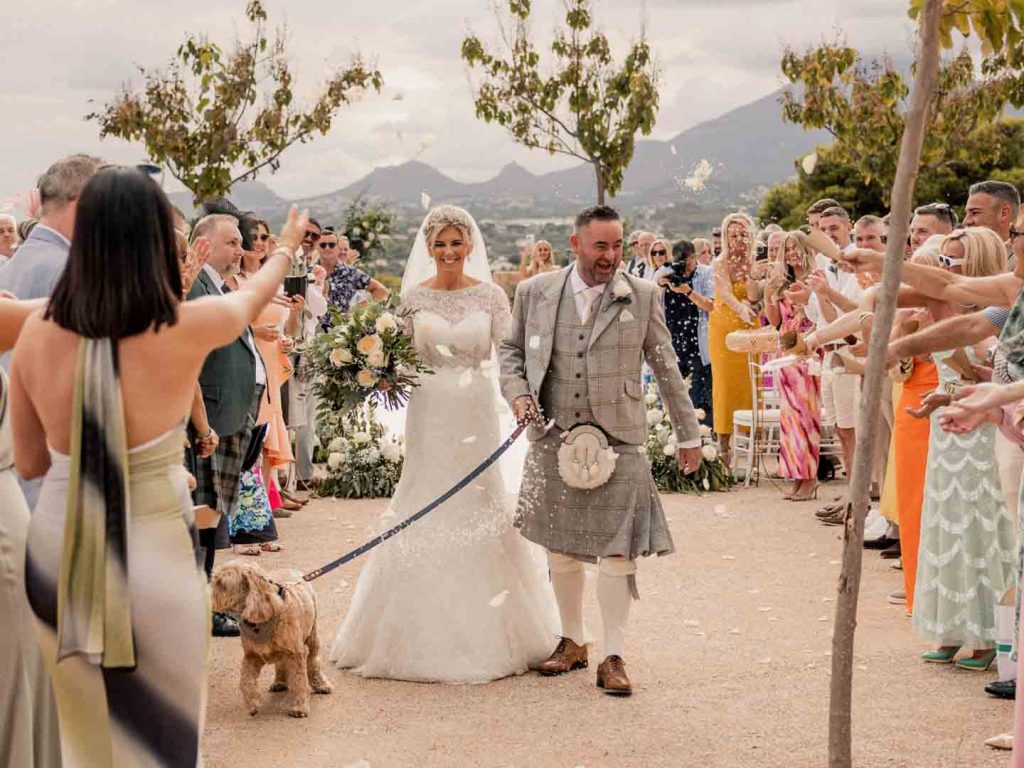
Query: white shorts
x: 839, y: 399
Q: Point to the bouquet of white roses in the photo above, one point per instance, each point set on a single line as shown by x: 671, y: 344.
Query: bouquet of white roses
x: 365, y: 355
x: 362, y: 460
x: 662, y: 450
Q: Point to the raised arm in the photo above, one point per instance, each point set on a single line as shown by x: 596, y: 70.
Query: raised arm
x: 959, y: 331
x: 217, y: 321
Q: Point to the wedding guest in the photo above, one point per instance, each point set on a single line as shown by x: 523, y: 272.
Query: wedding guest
x: 992, y: 204
x: 704, y: 251
x: 28, y: 730
x: 730, y: 379
x: 8, y: 237
x: 931, y: 219
x: 641, y: 263
x: 342, y: 280
x: 661, y: 252
x: 817, y: 208
x: 233, y: 379
x: 716, y: 241
x: 799, y: 385
x: 536, y: 259
x: 688, y: 298
x: 113, y: 363
x: 309, y: 241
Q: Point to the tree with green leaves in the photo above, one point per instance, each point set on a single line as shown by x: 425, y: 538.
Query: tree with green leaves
x: 588, y: 108
x: 863, y: 106
x: 214, y: 117
x: 992, y: 151
x: 998, y: 25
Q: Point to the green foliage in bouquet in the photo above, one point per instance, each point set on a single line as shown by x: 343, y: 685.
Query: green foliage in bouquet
x: 363, y: 462
x: 662, y: 452
x: 367, y: 226
x: 365, y: 356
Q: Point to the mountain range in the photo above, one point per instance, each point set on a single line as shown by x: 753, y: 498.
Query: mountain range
x: 748, y: 148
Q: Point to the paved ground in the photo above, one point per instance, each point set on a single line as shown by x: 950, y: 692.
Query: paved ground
x: 729, y: 651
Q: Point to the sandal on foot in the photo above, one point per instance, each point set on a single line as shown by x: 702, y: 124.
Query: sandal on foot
x: 271, y: 546
x: 252, y: 550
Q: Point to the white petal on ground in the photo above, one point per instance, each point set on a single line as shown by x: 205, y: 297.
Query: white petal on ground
x: 728, y: 557
x: 466, y: 378
x: 720, y: 509
x: 499, y: 599
x: 691, y: 623
x: 469, y: 440
x: 765, y: 609
x: 734, y: 631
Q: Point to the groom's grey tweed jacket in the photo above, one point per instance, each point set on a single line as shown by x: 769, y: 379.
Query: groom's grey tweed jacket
x: 625, y: 332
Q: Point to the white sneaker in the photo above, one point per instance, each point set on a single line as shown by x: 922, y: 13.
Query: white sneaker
x: 1002, y: 741
x: 899, y: 597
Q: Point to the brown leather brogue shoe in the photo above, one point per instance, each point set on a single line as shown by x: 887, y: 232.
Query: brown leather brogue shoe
x: 567, y: 657
x: 611, y: 677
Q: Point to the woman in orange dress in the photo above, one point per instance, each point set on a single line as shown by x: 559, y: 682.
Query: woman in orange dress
x: 730, y: 377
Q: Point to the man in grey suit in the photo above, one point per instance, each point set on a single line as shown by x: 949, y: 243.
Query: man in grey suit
x: 233, y: 380
x: 573, y: 356
x: 33, y: 270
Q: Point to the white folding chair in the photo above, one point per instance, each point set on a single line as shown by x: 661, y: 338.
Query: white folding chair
x: 756, y: 432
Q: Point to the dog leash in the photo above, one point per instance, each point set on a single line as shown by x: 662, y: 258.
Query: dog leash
x: 381, y: 538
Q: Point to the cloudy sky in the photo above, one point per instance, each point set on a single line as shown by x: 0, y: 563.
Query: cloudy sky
x: 62, y: 57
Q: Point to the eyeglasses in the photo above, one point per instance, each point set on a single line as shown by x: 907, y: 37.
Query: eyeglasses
x: 328, y: 246
x: 1014, y: 233
x: 659, y: 252
x: 950, y: 261
x: 939, y: 211
x: 312, y: 236
x: 263, y: 238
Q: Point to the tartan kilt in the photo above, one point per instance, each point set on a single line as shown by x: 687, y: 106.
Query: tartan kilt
x: 218, y: 476
x: 622, y: 518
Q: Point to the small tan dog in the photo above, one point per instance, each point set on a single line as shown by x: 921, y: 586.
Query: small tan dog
x: 277, y: 616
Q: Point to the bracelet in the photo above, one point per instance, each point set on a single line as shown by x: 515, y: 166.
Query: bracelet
x: 864, y: 316
x: 204, y: 438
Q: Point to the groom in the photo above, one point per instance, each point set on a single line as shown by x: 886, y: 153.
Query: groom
x: 573, y: 356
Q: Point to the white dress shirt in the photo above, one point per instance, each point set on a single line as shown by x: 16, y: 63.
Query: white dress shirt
x: 261, y: 369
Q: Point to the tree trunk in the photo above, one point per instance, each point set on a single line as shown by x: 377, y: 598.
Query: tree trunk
x: 599, y: 173
x: 857, y: 503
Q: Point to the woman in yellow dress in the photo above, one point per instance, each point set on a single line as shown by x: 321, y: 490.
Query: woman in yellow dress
x: 730, y: 379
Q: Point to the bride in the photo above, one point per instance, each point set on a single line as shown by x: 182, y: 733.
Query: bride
x: 459, y: 596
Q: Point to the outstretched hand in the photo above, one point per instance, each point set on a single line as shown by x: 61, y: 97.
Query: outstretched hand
x: 294, y: 228
x: 862, y: 260
x: 960, y: 421
x: 929, y: 403
x: 982, y: 396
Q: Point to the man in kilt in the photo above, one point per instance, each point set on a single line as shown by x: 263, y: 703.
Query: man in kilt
x: 232, y: 381
x: 573, y: 356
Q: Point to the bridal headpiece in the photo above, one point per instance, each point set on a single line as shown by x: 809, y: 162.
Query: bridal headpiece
x: 447, y: 216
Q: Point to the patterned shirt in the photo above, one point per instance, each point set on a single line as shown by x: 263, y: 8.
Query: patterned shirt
x: 342, y: 284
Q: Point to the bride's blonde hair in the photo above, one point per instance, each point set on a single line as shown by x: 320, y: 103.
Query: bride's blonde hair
x: 444, y: 216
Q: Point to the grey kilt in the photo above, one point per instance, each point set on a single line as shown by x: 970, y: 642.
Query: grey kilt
x: 622, y: 518
x: 217, y: 476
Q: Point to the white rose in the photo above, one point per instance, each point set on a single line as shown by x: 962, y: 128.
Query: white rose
x: 365, y: 378
x: 709, y: 452
x: 650, y: 398
x: 621, y: 289
x: 336, y: 445
x: 340, y: 357
x: 386, y: 322
x: 335, y: 461
x: 377, y: 359
x: 705, y: 430
x: 361, y: 438
x: 669, y: 449
x: 699, y: 413
x: 370, y: 344
x: 391, y: 452
x: 371, y: 456
x: 659, y: 428
x: 654, y: 416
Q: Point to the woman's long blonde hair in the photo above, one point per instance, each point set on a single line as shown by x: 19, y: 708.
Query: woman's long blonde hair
x: 984, y: 251
x: 805, y: 249
x: 746, y: 221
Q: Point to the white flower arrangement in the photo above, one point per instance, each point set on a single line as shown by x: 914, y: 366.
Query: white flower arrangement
x: 362, y: 459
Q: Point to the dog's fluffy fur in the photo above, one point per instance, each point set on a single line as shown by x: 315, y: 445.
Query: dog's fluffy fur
x: 294, y: 646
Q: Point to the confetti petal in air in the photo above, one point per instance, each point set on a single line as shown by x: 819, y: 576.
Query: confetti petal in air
x: 698, y: 178
x: 443, y: 350
x: 809, y: 163
x: 425, y: 201
x: 672, y: 148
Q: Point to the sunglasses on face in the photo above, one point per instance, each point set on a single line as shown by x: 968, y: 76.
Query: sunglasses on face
x: 312, y: 236
x: 263, y: 237
x: 659, y: 252
x: 328, y: 246
x: 950, y: 261
x: 1015, y: 233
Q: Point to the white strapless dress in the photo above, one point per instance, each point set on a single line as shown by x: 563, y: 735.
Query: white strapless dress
x: 460, y: 596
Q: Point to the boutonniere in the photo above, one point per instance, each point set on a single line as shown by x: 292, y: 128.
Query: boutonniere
x: 621, y: 292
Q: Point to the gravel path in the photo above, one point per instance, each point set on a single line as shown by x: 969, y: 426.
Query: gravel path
x: 728, y: 652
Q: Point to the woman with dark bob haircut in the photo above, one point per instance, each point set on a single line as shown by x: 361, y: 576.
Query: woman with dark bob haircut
x: 101, y: 384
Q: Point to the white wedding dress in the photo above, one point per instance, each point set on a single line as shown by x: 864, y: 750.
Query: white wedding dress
x: 459, y: 596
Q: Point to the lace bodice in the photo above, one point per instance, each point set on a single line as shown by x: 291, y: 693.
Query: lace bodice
x: 457, y: 329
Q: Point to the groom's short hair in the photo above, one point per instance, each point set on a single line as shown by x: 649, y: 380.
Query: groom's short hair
x: 595, y: 213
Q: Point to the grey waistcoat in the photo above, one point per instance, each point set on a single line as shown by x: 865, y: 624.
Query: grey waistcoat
x: 565, y: 395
